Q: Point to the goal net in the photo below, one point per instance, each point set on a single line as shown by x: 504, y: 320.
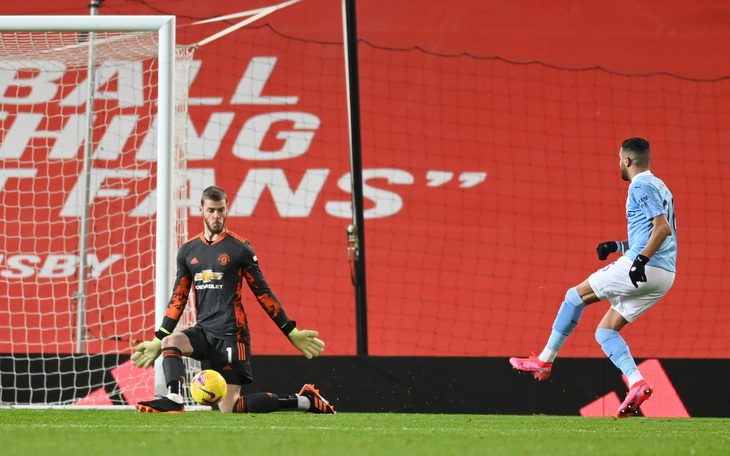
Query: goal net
x: 91, y: 186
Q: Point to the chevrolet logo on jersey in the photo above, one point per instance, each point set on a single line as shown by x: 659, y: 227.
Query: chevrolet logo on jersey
x: 207, y: 277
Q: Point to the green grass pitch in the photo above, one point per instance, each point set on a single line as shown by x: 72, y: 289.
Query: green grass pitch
x: 126, y: 432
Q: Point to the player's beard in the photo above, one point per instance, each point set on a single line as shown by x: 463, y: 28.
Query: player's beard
x: 625, y: 173
x: 216, y: 227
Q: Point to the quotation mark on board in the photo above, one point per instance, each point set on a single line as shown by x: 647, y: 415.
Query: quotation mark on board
x: 467, y: 179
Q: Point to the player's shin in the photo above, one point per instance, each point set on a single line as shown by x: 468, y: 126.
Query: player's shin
x: 617, y: 350
x: 565, y: 322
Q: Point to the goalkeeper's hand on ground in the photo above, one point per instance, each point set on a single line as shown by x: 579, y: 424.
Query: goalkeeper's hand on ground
x: 307, y: 342
x: 606, y: 248
x: 146, y: 353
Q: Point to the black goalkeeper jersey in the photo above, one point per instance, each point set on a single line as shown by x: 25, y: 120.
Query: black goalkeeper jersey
x: 216, y: 272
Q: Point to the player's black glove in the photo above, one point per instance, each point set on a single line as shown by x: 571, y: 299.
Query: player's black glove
x: 637, y: 272
x: 604, y: 248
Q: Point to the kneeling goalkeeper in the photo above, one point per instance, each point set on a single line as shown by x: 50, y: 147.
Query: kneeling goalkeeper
x: 216, y: 263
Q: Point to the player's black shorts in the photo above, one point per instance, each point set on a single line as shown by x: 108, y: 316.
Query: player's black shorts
x: 228, y: 357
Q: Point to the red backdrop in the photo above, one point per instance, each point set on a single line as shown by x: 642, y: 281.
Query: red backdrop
x: 490, y: 133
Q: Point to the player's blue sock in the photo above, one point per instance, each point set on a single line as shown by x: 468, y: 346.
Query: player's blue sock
x: 566, y: 320
x: 615, y: 347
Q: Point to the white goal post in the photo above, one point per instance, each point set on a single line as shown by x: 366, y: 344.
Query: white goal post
x: 164, y: 26
x: 94, y: 201
x: 37, y: 54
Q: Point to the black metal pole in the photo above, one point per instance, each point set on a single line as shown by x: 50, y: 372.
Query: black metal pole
x: 353, y: 89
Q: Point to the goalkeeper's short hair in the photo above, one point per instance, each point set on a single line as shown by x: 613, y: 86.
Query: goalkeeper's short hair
x: 213, y: 193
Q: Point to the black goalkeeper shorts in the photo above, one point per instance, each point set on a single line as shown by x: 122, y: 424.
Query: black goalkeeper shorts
x: 229, y: 357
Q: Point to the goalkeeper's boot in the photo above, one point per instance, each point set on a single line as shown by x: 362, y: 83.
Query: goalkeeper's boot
x: 532, y: 365
x: 160, y: 405
x: 636, y: 396
x: 318, y: 403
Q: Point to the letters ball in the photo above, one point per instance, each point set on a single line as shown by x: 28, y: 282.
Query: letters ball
x: 208, y: 387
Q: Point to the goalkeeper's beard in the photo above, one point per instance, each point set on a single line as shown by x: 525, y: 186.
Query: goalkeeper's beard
x: 216, y: 228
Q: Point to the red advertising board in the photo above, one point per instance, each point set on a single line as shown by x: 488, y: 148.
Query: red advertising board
x: 490, y: 135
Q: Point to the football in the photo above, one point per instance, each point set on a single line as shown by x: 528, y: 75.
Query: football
x: 208, y: 387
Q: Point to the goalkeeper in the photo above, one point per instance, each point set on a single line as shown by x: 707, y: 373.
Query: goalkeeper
x: 217, y: 263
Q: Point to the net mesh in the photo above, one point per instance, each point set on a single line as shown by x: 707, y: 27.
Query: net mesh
x: 72, y: 48
x: 44, y: 96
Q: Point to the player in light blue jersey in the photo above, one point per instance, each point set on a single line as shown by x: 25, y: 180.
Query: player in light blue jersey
x: 648, y: 198
x: 632, y: 284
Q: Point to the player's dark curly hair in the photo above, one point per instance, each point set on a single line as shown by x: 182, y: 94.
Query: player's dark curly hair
x: 213, y: 193
x: 639, y: 150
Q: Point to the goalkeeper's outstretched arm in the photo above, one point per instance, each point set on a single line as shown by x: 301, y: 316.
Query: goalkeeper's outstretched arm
x: 147, y: 352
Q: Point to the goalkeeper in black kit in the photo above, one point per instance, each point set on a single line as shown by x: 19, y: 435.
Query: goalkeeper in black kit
x: 216, y: 264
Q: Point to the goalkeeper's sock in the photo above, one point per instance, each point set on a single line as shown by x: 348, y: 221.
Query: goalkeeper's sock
x: 174, y: 397
x: 303, y: 402
x: 257, y: 403
x: 174, y: 369
x: 289, y: 402
x: 173, y: 391
x: 617, y: 350
x: 174, y: 387
x: 565, y: 322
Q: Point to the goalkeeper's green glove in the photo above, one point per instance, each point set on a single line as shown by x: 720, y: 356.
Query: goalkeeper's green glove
x: 146, y: 353
x: 307, y: 342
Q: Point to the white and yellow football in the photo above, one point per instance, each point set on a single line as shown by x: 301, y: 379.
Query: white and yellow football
x: 208, y: 387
